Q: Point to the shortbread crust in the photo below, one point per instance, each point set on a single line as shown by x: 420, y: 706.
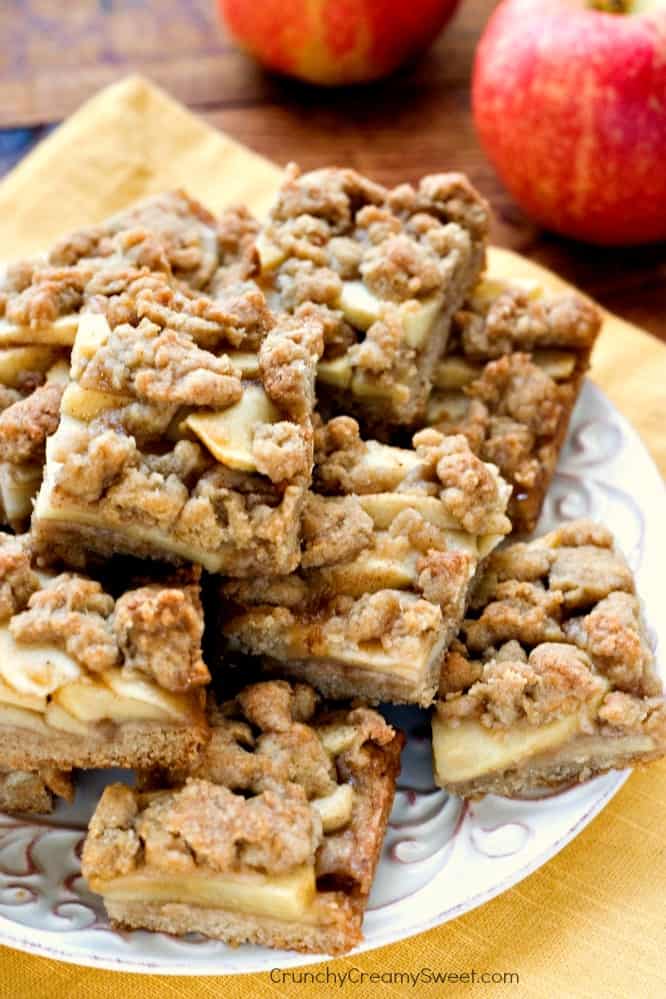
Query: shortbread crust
x: 552, y: 679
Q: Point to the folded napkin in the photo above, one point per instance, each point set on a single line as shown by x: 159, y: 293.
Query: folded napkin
x: 591, y: 922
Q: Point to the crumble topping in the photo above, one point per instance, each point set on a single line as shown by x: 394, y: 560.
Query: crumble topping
x: 170, y: 235
x: 161, y: 366
x: 154, y: 630
x: 510, y: 404
x: 515, y: 319
x: 443, y: 467
x: 554, y: 680
x: 73, y: 613
x: 112, y: 845
x: 17, y: 580
x: 169, y: 232
x: 286, y: 758
x: 204, y: 825
x: 388, y: 618
x: 25, y: 425
x: 53, y: 292
x: 163, y: 430
x: 159, y: 633
x: 385, y: 570
x: 628, y: 714
x: 469, y: 490
x: 237, y: 230
x: 287, y: 362
x: 556, y: 625
x: 334, y: 529
x: 397, y: 240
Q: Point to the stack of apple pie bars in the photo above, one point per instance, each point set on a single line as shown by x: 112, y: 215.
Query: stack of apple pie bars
x: 309, y: 435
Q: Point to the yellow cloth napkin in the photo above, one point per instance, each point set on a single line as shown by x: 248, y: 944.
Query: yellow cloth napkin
x: 592, y: 922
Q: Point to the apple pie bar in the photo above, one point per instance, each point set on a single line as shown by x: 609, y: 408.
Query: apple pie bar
x: 392, y: 539
x: 552, y: 679
x: 509, y: 379
x: 185, y: 433
x: 273, y: 839
x: 92, y: 680
x: 40, y: 304
x: 40, y: 299
x: 386, y: 269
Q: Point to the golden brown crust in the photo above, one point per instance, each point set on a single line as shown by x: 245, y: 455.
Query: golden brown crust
x: 140, y: 745
x: 337, y: 930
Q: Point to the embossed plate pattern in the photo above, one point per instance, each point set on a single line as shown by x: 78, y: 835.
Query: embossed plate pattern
x: 441, y: 857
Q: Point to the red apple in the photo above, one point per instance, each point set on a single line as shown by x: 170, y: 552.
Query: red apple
x: 335, y: 41
x: 570, y: 105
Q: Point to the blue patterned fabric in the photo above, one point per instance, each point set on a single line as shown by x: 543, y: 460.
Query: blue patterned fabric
x: 16, y: 142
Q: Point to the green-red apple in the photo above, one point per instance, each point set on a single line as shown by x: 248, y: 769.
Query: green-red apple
x: 570, y: 106
x: 335, y: 41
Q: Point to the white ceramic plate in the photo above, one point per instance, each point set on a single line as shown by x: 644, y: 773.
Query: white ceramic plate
x: 441, y: 857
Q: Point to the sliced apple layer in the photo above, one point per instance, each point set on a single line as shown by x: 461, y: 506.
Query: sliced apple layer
x: 362, y: 308
x: 284, y: 896
x: 59, y: 333
x: 229, y: 434
x: 45, y: 680
x: 468, y: 750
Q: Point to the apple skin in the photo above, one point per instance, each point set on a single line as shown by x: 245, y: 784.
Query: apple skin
x: 570, y: 108
x: 335, y: 42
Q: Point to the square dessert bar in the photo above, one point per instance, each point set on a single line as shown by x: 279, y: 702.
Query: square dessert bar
x: 552, y: 679
x: 272, y: 839
x: 392, y: 539
x: 40, y: 299
x: 40, y: 304
x: 509, y: 379
x: 386, y: 268
x: 89, y: 679
x: 185, y: 434
x: 34, y: 790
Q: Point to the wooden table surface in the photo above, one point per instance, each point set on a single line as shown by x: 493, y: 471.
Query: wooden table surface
x: 55, y: 55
